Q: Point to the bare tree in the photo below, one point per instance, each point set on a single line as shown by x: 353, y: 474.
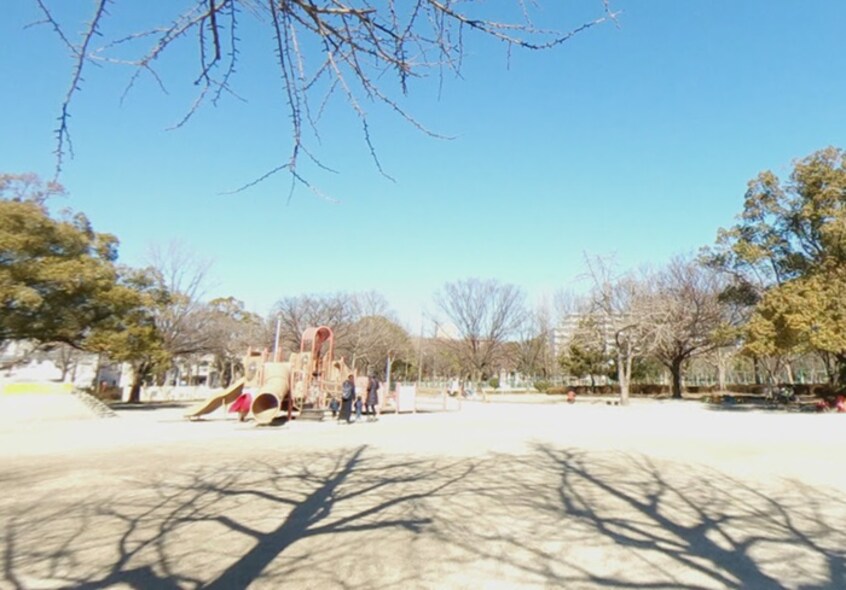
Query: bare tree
x: 688, y: 314
x: 350, y: 48
x: 627, y: 316
x: 534, y: 344
x: 182, y: 321
x: 295, y: 314
x: 485, y: 313
x: 373, y: 330
x: 233, y: 330
x: 379, y: 341
x: 347, y: 315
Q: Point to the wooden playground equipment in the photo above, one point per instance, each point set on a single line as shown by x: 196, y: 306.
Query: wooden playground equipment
x: 289, y: 389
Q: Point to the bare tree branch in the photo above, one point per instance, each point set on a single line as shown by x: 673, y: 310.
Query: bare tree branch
x: 360, y: 41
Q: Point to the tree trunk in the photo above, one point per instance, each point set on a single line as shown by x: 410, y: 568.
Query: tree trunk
x: 676, y: 371
x: 840, y: 372
x: 137, y: 380
x: 623, y: 378
x: 135, y: 391
x: 388, y: 366
x: 480, y: 388
x: 721, y: 370
x: 95, y: 384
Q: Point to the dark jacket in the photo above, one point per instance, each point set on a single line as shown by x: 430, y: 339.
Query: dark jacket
x: 373, y: 392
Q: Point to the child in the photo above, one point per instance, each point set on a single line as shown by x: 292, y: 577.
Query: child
x: 334, y: 406
x: 358, y: 409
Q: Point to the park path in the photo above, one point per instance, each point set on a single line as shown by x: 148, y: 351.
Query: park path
x: 663, y: 495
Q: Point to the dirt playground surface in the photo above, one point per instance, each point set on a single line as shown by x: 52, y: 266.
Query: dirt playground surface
x: 496, y: 495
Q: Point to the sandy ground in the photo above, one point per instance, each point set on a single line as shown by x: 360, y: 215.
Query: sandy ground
x: 497, y: 495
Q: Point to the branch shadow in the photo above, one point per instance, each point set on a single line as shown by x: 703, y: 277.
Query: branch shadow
x: 549, y: 516
x: 258, y: 513
x: 622, y: 520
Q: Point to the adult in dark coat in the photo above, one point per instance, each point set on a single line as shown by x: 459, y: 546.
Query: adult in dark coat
x: 372, y: 397
x: 347, y: 398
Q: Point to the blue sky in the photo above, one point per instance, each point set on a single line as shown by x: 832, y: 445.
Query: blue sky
x: 635, y: 140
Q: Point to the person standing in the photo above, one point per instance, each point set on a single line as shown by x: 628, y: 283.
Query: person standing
x: 372, y: 397
x: 347, y: 398
x: 358, y: 408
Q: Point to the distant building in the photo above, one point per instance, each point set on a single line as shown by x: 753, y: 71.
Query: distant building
x: 570, y: 323
x: 24, y: 361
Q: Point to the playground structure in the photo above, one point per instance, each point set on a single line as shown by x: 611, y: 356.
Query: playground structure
x: 228, y: 396
x: 288, y: 389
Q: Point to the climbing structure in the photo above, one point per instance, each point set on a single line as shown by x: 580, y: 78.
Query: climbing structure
x: 302, y: 383
x: 272, y: 388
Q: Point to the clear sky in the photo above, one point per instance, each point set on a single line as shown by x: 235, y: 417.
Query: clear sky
x: 636, y: 140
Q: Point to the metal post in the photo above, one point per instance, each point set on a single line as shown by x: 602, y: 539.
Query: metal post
x: 388, y: 364
x: 420, y: 354
x: 276, y: 340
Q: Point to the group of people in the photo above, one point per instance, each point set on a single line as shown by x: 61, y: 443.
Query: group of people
x: 351, y: 402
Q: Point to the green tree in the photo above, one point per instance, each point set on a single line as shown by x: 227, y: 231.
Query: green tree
x: 587, y: 354
x: 788, y: 254
x: 804, y: 314
x: 133, y: 336
x: 58, y: 278
x: 584, y: 361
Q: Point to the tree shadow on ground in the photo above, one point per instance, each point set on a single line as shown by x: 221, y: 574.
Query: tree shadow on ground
x: 547, y: 517
x: 147, y: 406
x: 256, y: 512
x: 653, y: 525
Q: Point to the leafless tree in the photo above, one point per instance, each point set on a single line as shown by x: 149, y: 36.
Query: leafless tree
x: 182, y: 321
x: 363, y: 324
x: 374, y: 334
x: 350, y: 48
x: 233, y: 330
x: 379, y: 341
x: 485, y: 313
x: 688, y: 314
x: 295, y: 314
x: 534, y: 355
x: 626, y: 314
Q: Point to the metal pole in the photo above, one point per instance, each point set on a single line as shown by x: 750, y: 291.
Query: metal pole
x: 388, y: 364
x: 276, y: 340
x: 420, y: 354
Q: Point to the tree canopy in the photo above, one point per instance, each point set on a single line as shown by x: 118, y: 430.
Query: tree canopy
x: 789, y: 229
x: 58, y: 277
x: 790, y: 249
x: 486, y: 314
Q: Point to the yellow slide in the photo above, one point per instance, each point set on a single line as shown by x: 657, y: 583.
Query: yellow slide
x: 214, y: 402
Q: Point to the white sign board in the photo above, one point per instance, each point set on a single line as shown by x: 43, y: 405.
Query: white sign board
x: 406, y: 398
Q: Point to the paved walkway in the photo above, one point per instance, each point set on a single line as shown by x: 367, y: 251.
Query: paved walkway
x: 659, y: 495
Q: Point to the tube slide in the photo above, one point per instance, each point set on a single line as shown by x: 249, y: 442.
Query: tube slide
x: 215, y: 401
x: 277, y: 384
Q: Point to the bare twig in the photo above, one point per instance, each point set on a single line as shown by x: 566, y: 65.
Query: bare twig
x: 362, y: 43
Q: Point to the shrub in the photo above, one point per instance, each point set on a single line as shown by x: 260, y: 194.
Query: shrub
x: 700, y: 388
x: 494, y: 382
x: 542, y: 386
